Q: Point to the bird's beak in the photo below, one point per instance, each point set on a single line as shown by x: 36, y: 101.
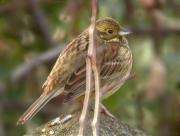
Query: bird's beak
x: 124, y: 32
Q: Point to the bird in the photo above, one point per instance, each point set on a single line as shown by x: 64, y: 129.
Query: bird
x: 68, y: 75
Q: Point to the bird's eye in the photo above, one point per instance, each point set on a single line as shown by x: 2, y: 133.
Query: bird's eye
x: 110, y: 31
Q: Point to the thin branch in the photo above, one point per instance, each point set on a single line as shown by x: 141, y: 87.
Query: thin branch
x: 91, y: 65
x: 97, y: 101
x: 86, y: 99
x: 92, y: 51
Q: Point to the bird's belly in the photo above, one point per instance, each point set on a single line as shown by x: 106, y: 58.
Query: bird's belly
x: 118, y: 66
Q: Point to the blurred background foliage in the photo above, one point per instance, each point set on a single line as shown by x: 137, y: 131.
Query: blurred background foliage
x: 33, y: 32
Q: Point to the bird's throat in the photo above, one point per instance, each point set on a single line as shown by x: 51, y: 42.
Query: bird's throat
x: 116, y: 39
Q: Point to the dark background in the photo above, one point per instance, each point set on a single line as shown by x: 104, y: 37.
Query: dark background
x: 33, y: 32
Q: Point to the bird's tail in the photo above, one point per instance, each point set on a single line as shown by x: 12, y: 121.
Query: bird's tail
x: 36, y: 106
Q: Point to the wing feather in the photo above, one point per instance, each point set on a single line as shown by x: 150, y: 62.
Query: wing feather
x: 67, y: 63
x: 111, y: 68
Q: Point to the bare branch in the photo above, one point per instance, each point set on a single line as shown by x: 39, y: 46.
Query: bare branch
x: 25, y: 69
x: 91, y: 65
x: 97, y: 101
x: 92, y: 51
x: 86, y: 99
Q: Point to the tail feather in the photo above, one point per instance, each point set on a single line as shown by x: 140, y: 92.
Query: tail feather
x: 36, y: 107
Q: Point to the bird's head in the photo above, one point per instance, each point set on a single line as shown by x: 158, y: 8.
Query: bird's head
x: 110, y: 30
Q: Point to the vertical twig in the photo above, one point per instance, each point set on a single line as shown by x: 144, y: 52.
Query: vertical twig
x: 91, y: 66
x: 92, y: 57
x: 97, y: 100
x: 86, y: 99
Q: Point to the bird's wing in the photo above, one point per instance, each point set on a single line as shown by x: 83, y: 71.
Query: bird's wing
x: 75, y: 85
x: 71, y: 58
x: 115, y: 63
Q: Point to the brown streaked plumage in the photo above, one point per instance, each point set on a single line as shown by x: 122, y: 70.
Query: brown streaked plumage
x: 67, y: 78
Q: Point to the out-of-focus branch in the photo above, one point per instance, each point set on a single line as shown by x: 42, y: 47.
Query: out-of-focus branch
x: 18, y: 5
x: 175, y: 5
x: 129, y: 7
x: 41, y: 21
x: 25, y: 69
x: 163, y: 31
